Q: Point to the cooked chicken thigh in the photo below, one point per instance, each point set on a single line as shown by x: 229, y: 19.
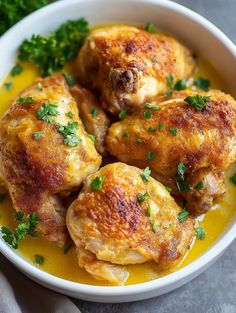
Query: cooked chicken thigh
x: 123, y: 216
x: 93, y: 117
x: 188, y: 148
x: 128, y: 66
x: 43, y: 152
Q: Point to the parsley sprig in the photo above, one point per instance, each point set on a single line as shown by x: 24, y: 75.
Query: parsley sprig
x: 47, y: 111
x: 198, y: 102
x: 69, y: 133
x: 26, y: 227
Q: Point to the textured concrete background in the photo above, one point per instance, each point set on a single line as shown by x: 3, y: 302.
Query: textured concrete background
x: 215, y: 290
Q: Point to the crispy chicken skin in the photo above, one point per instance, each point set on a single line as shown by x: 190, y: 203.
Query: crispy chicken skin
x: 112, y: 227
x: 205, y: 142
x: 96, y: 124
x: 128, y: 66
x: 35, y: 171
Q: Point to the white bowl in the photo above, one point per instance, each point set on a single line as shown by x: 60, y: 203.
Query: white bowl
x: 198, y: 34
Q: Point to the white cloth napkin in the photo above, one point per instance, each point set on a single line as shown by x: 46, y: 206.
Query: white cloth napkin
x: 18, y: 294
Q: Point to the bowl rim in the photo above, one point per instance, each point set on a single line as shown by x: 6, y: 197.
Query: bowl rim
x: 201, y: 262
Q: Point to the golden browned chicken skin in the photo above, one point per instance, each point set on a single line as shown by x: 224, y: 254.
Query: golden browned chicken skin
x: 94, y: 119
x: 179, y: 138
x: 37, y: 169
x: 128, y: 66
x: 129, y: 220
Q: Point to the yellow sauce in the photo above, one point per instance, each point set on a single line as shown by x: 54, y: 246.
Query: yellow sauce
x: 65, y: 265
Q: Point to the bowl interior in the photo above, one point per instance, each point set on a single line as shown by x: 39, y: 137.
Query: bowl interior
x: 196, y: 33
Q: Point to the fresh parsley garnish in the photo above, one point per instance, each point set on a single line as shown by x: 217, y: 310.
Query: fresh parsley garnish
x: 126, y: 134
x: 145, y: 175
x: 149, y: 210
x: 173, y: 131
x: 152, y: 106
x: 147, y: 114
x: 50, y: 53
x: 92, y: 137
x: 179, y: 85
x: 25, y: 100
x: 181, y: 181
x: 37, y: 135
x: 160, y: 126
x: 150, y: 156
x: 47, y: 111
x: 69, y: 133
x: 199, y: 186
x: 26, y: 227
x: 198, y: 102
x: 200, y: 233
x: 151, y: 129
x: 98, y: 182
x: 182, y: 215
x: 122, y: 114
x: 69, y: 78
x: 150, y: 27
x: 233, y: 179
x: 39, y: 259
x: 168, y: 93
x: 143, y: 197
x: 8, y: 85
x: 69, y: 114
x: 202, y: 83
x: 94, y: 112
x: 168, y: 188
x: 154, y: 226
x: 16, y: 70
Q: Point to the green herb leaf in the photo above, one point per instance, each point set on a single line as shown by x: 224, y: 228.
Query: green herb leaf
x: 69, y: 78
x: 69, y: 114
x: 150, y: 27
x: 151, y: 129
x: 200, y: 233
x: 170, y: 81
x: 183, y: 186
x: 202, y: 83
x: 69, y: 133
x: 180, y: 85
x: 47, y: 110
x: 139, y: 140
x: 97, y: 183
x: 146, y: 173
x: 8, y: 85
x: 147, y: 114
x: 149, y: 210
x: 173, y: 131
x: 199, y: 186
x: 181, y: 171
x: 50, y: 53
x: 92, y: 137
x: 168, y: 93
x: 25, y: 100
x: 150, y: 156
x: 152, y: 106
x: 168, y: 188
x: 233, y: 179
x: 122, y: 114
x: 16, y: 70
x: 37, y: 135
x: 143, y: 197
x: 39, y: 259
x: 126, y: 134
x: 154, y: 226
x: 160, y: 126
x: 198, y: 102
x: 94, y: 112
x: 182, y: 215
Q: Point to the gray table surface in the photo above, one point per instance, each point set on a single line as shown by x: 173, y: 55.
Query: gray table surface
x: 214, y: 291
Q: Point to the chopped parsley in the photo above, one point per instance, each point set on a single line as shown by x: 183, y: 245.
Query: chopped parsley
x: 50, y: 53
x: 39, y: 86
x: 152, y: 106
x: 139, y: 140
x: 16, y: 70
x: 233, y: 179
x: 181, y: 168
x: 181, y: 181
x: 179, y: 85
x: 143, y: 197
x: 39, y: 259
x: 154, y: 226
x: 94, y: 112
x: 69, y: 133
x: 149, y: 210
x: 26, y: 227
x: 199, y: 186
x: 37, y: 135
x: 146, y: 173
x: 47, y: 111
x: 198, y: 102
x: 126, y: 134
x: 69, y: 78
x: 98, y: 182
x: 168, y: 93
x: 92, y: 137
x: 8, y: 85
x: 160, y: 126
x: 170, y: 81
x: 69, y: 114
x: 200, y: 233
x: 150, y: 156
x: 168, y: 188
x: 173, y: 131
x: 147, y: 114
x: 150, y: 27
x: 122, y: 114
x: 25, y: 100
x: 202, y: 83
x: 182, y: 215
x: 151, y: 129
